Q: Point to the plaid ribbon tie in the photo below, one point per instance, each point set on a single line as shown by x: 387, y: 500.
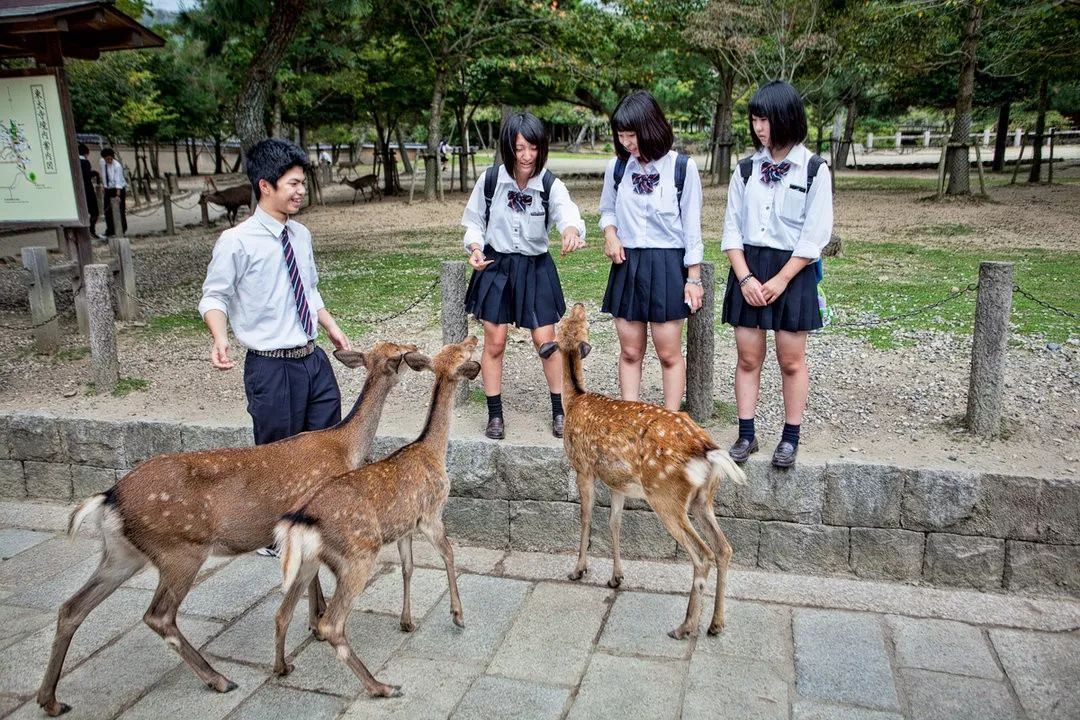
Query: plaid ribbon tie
x: 518, y: 201
x: 773, y: 172
x: 302, y: 309
x: 645, y: 183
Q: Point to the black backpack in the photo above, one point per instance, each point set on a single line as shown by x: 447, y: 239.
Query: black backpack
x: 491, y: 179
x: 746, y: 169
x: 680, y: 176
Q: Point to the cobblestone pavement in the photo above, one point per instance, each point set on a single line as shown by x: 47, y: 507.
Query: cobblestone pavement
x: 536, y: 645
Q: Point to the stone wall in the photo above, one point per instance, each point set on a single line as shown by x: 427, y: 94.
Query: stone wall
x: 941, y: 527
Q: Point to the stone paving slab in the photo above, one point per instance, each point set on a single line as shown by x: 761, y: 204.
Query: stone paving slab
x: 753, y: 631
x: 43, y: 516
x: 746, y: 689
x: 842, y: 657
x: 384, y: 594
x: 186, y: 698
x: 231, y: 590
x: 553, y: 636
x: 494, y: 697
x: 251, y: 638
x: 18, y: 622
x: 1044, y: 669
x: 271, y: 702
x: 120, y: 673
x: 942, y: 645
x: 627, y: 687
x: 467, y: 558
x: 44, y: 561
x: 432, y: 689
x: 933, y: 695
x: 639, y: 624
x: 813, y: 710
x: 14, y: 540
x: 53, y: 592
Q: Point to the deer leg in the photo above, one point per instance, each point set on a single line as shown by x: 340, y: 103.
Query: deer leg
x: 433, y: 529
x: 119, y: 561
x: 316, y: 605
x: 352, y: 575
x: 177, y: 574
x: 615, y: 522
x: 721, y: 549
x: 404, y: 546
x: 700, y: 555
x: 585, y: 491
x: 309, y: 575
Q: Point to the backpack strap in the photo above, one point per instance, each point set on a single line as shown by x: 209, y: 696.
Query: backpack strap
x: 618, y: 172
x: 680, y: 178
x: 548, y: 179
x: 491, y: 179
x: 746, y: 168
x: 816, y: 161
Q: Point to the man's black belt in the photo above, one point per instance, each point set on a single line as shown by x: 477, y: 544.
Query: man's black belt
x: 293, y: 353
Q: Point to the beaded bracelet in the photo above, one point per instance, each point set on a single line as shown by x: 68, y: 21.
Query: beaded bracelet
x: 749, y: 276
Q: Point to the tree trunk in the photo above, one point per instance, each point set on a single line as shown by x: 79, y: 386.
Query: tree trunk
x: 722, y: 153
x: 192, y: 156
x: 463, y: 138
x: 431, y: 162
x: 958, y: 156
x: 154, y: 168
x: 405, y: 161
x: 301, y: 132
x: 251, y: 103
x: 176, y: 156
x: 1040, y: 130
x: 505, y: 112
x: 575, y: 146
x: 217, y: 154
x: 849, y: 133
x: 1001, y: 139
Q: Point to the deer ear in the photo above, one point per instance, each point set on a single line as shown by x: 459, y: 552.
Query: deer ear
x: 350, y: 358
x: 417, y: 361
x: 585, y: 349
x: 470, y: 369
x: 547, y: 349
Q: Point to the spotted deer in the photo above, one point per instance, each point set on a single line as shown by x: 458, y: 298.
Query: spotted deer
x: 173, y: 511
x: 231, y: 198
x: 364, y: 181
x: 644, y: 451
x: 348, y: 519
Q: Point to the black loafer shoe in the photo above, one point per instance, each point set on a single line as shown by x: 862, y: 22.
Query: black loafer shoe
x: 557, y: 424
x: 784, y: 455
x: 742, y: 449
x: 496, y: 429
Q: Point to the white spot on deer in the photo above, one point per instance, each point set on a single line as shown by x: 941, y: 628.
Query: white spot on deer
x: 152, y: 497
x: 165, y: 513
x: 164, y: 497
x: 697, y: 471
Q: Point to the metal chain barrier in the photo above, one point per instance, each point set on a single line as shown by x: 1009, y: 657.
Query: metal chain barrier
x: 875, y: 322
x: 393, y: 316
x: 1043, y: 304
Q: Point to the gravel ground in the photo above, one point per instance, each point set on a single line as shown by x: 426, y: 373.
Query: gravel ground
x: 900, y: 405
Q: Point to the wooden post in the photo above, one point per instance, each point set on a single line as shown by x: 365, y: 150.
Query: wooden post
x: 1050, y: 170
x: 455, y: 324
x: 42, y: 302
x: 77, y: 240
x: 700, y: 334
x: 1019, y: 159
x: 205, y: 214
x: 114, y: 210
x: 165, y: 192
x: 127, y: 306
x: 412, y: 182
x: 453, y: 157
x: 103, y: 362
x: 941, y: 170
x: 993, y: 304
x: 978, y: 164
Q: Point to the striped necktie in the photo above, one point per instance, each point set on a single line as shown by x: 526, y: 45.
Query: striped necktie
x: 302, y: 308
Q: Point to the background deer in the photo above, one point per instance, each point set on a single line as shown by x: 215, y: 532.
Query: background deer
x: 231, y: 198
x: 346, y: 520
x: 174, y: 510
x: 644, y: 451
x: 364, y: 181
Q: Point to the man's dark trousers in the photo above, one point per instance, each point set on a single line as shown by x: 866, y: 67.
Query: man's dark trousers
x: 289, y: 396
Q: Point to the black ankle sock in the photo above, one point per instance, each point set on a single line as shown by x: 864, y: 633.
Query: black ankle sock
x: 556, y: 404
x: 791, y: 434
x: 494, y: 403
x: 746, y: 429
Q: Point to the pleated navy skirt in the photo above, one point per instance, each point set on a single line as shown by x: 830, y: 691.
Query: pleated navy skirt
x: 648, y: 286
x: 522, y: 290
x: 796, y: 310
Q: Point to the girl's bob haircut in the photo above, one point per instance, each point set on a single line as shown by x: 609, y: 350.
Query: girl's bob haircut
x: 639, y: 113
x: 782, y: 106
x: 529, y: 127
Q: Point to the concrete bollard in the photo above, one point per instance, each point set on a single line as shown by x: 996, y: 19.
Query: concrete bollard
x: 993, y: 304
x: 114, y: 210
x: 455, y: 323
x: 105, y: 367
x: 165, y: 193
x: 700, y: 333
x: 42, y: 302
x: 127, y: 306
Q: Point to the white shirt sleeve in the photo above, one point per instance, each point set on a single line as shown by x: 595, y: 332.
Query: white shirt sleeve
x: 564, y: 211
x: 690, y: 208
x: 817, y: 227
x: 733, y: 217
x: 220, y: 284
x: 473, y: 218
x: 608, y: 197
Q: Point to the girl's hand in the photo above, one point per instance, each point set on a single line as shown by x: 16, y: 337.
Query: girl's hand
x: 477, y: 260
x: 693, y: 296
x: 773, y: 289
x: 571, y: 240
x: 614, y: 249
x: 752, y: 293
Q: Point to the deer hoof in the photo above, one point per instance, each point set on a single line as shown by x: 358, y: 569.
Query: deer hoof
x: 716, y: 628
x: 578, y: 574
x: 615, y: 581
x: 316, y: 634
x: 459, y: 620
x: 222, y: 685
x: 387, y: 691
x: 283, y: 669
x: 55, y: 709
x: 407, y: 626
x: 680, y: 633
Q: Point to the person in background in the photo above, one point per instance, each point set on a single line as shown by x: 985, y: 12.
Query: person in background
x: 88, y: 174
x: 112, y: 178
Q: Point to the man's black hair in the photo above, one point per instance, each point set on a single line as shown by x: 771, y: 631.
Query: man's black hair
x: 639, y: 113
x: 270, y: 159
x: 83, y: 150
x: 107, y: 152
x: 529, y: 127
x: 783, y: 106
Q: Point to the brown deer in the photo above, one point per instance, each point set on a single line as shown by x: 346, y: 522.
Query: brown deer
x: 644, y: 451
x: 174, y: 510
x: 364, y: 181
x: 347, y: 519
x: 231, y: 198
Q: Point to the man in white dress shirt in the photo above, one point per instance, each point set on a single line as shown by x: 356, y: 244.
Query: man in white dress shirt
x: 112, y: 179
x: 262, y: 281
